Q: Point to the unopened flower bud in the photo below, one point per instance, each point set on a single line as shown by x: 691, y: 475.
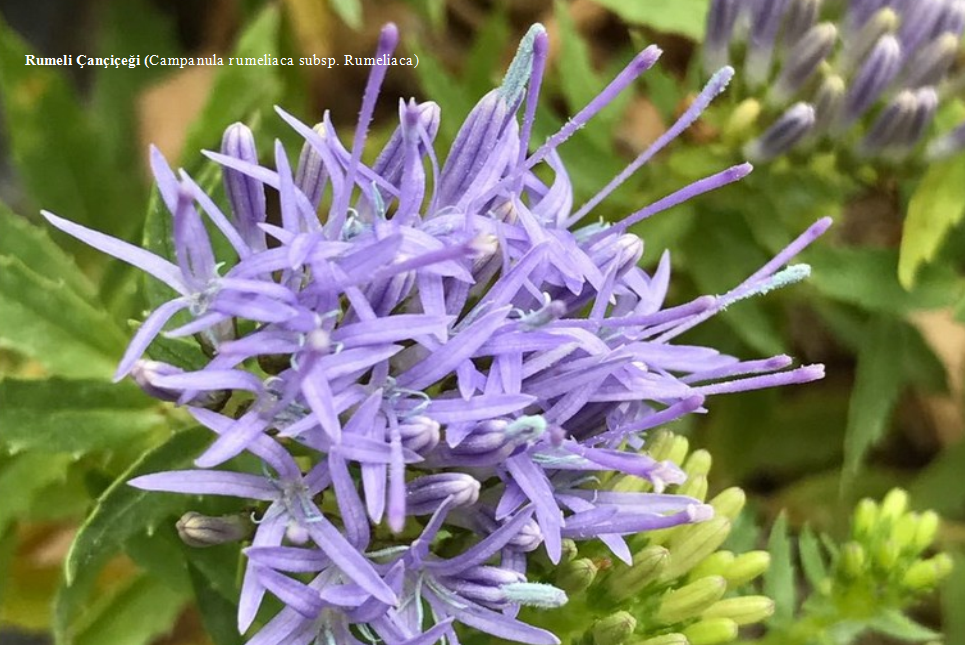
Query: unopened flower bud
x: 648, y: 565
x: 530, y: 537
x: 828, y: 103
x: 930, y: 64
x: 856, y: 45
x: 145, y: 374
x: 679, y: 448
x: 698, y: 464
x: 614, y: 629
x: 926, y: 574
x: 903, y: 533
x: 424, y: 495
x: 742, y: 119
x: 720, y: 25
x: 199, y: 530
x: 803, y: 61
x: 893, y: 506
x: 695, y: 487
x: 693, y: 543
x: 747, y: 567
x: 690, y: 600
x: 875, y: 75
x: 576, y: 576
x: 865, y: 519
x: 659, y: 443
x: 927, y: 530
x: 745, y: 610
x: 666, y: 639
x: 787, y: 131
x: 853, y: 560
x: 311, y: 176
x: 711, y: 631
x: 729, y: 503
x: 891, y: 125
x: 715, y: 564
x: 420, y: 434
x: 765, y: 23
x: 801, y: 16
x: 886, y: 554
x: 245, y: 193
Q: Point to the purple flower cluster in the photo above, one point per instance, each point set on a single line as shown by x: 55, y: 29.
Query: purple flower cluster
x: 434, y: 373
x: 886, y: 60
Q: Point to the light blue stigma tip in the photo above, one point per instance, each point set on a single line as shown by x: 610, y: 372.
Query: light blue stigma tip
x: 788, y: 276
x: 514, y: 83
x: 526, y: 428
x: 535, y: 594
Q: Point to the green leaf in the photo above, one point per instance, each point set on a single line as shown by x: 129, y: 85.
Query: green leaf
x: 57, y: 155
x: 77, y: 417
x: 28, y: 474
x: 48, y: 321
x: 480, y: 66
x: 143, y: 609
x: 32, y: 245
x: 686, y: 17
x: 936, y: 206
x: 779, y: 578
x: 867, y: 278
x: 893, y: 623
x: 878, y: 383
x: 212, y: 573
x: 953, y: 599
x: 578, y: 79
x: 350, y: 11
x: 812, y: 558
x: 123, y: 511
x: 454, y: 100
x: 939, y: 486
x: 239, y: 91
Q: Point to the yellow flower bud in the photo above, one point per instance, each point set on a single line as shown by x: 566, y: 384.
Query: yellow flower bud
x: 729, y: 503
x: 659, y: 443
x: 928, y: 525
x: 648, y: 565
x: 886, y: 554
x: 742, y: 119
x: 745, y: 610
x: 853, y: 560
x: 691, y: 544
x: 576, y: 576
x: 711, y: 631
x: 715, y: 564
x: 695, y: 486
x: 690, y: 600
x: 614, y: 629
x: 666, y: 639
x: 924, y: 575
x: 747, y: 567
x: 865, y: 519
x: 698, y: 463
x: 893, y: 506
x: 679, y: 449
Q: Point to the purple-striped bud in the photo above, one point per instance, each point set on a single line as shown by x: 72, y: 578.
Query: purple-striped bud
x: 529, y: 537
x: 201, y: 531
x: 930, y: 63
x: 947, y: 145
x: 245, y: 194
x: 765, y: 23
x: 953, y: 22
x: 803, y: 61
x: 492, y: 441
x: 145, y: 374
x: 927, y: 99
x: 801, y: 17
x: 828, y: 102
x: 875, y: 75
x: 391, y: 161
x: 311, y: 176
x: 424, y: 495
x: 894, y: 120
x: 858, y: 41
x: 420, y: 434
x: 788, y: 130
x: 720, y: 27
x: 919, y: 28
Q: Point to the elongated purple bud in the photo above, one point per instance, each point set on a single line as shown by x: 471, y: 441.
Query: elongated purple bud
x: 788, y: 130
x: 146, y: 372
x: 765, y: 23
x: 894, y: 120
x: 859, y: 40
x: 860, y: 11
x: 803, y: 61
x: 927, y: 99
x: 424, y: 495
x: 201, y: 531
x: 311, y: 176
x: 953, y: 21
x: 930, y: 63
x: 921, y: 20
x: 828, y: 103
x: 391, y: 160
x: 876, y: 73
x: 720, y: 27
x: 801, y: 17
x: 947, y: 145
x: 245, y: 193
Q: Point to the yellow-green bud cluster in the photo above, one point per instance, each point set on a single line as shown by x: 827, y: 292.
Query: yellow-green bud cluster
x: 886, y: 548
x: 680, y: 588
